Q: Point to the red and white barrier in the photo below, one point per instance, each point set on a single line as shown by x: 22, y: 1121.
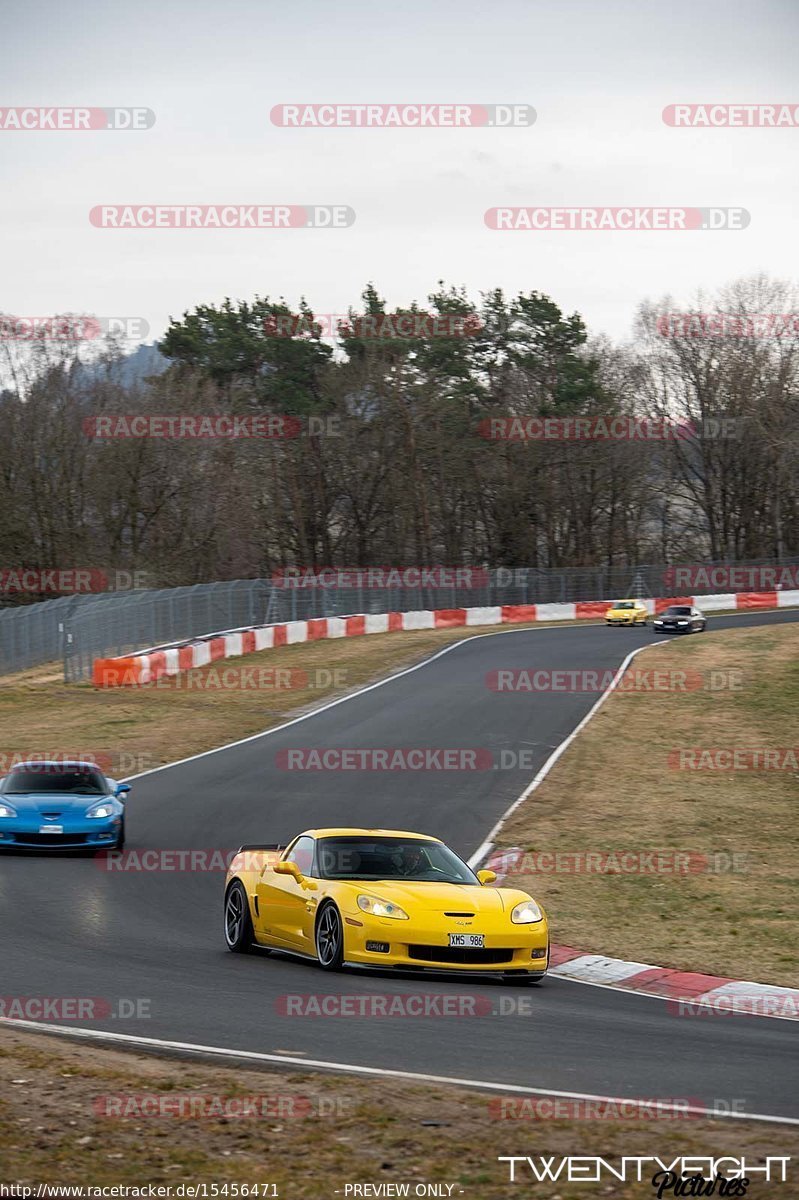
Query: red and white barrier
x: 154, y: 664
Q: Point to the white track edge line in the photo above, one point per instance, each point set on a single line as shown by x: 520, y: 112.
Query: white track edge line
x: 253, y: 737
x: 488, y: 844
x: 485, y: 848
x: 355, y: 1069
x: 620, y: 987
x: 540, y: 627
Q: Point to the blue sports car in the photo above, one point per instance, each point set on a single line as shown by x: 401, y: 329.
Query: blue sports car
x: 61, y: 806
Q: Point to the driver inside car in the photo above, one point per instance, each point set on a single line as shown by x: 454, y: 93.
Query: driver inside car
x: 411, y: 861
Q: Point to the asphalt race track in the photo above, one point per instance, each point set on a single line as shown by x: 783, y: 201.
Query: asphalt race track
x: 73, y: 929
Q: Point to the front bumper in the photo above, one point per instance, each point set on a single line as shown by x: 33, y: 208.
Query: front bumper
x: 520, y: 950
x: 77, y: 835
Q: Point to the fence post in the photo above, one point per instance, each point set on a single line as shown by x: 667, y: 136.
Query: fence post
x: 65, y: 630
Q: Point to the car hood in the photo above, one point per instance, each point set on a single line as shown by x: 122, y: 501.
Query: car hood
x: 441, y: 897
x: 37, y: 803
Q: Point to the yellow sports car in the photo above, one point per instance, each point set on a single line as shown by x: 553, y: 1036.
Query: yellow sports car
x: 382, y: 898
x: 626, y: 612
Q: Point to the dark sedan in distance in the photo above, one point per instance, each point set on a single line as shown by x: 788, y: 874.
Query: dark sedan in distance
x: 680, y: 618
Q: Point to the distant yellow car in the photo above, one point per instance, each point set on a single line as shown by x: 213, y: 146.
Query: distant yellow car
x: 382, y: 898
x: 627, y: 612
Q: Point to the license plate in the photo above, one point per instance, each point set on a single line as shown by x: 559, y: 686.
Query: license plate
x: 51, y: 829
x: 469, y: 941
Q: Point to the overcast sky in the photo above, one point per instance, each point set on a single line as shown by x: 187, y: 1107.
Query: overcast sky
x: 598, y: 73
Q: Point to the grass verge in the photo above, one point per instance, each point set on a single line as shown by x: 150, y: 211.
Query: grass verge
x: 619, y: 787
x: 316, y: 1133
x: 142, y: 727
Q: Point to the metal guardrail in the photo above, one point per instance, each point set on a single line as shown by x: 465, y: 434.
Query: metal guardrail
x: 76, y: 630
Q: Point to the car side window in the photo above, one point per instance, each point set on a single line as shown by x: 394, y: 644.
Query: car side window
x: 302, y: 853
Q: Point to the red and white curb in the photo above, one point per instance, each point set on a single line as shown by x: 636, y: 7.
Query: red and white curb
x: 151, y: 665
x: 691, y: 993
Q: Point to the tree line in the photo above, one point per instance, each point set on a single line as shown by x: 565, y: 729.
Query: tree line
x: 391, y: 458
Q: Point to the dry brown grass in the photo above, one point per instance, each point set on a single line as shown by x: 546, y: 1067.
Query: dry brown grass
x: 374, y: 1131
x: 614, y: 789
x: 142, y: 727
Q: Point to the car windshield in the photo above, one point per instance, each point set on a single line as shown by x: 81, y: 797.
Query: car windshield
x: 678, y: 610
x: 77, y: 781
x: 624, y: 604
x: 391, y: 858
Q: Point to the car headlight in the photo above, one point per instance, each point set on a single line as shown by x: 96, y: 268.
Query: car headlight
x: 7, y: 811
x: 526, y: 913
x: 100, y: 810
x: 381, y: 908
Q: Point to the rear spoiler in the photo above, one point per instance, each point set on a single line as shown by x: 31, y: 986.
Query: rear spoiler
x: 255, y: 856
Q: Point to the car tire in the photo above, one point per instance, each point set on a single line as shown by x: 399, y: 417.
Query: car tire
x: 119, y: 844
x: 239, y: 935
x: 329, y: 938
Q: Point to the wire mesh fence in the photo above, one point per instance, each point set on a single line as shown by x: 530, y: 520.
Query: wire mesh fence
x: 73, y: 631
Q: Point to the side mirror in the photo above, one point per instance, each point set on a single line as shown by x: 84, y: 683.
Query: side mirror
x: 486, y: 876
x: 121, y: 790
x: 288, y: 868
